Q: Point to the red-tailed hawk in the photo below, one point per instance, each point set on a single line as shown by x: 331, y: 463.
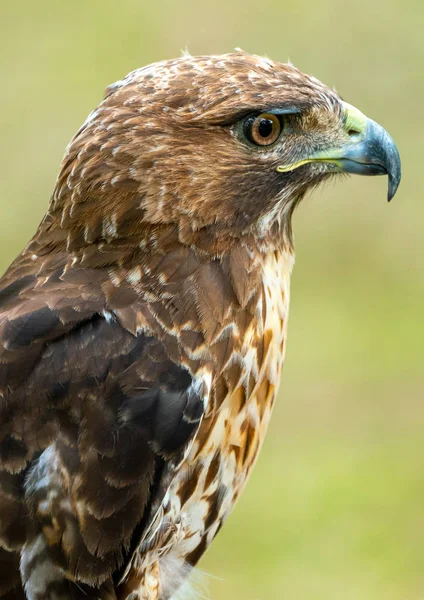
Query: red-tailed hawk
x: 142, y: 330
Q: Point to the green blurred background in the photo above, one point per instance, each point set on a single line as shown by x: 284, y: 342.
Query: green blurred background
x: 335, y: 506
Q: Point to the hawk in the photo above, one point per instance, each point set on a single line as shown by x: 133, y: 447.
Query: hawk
x: 143, y: 328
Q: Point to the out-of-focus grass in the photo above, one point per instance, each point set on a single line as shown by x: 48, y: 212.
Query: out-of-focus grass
x: 334, y: 508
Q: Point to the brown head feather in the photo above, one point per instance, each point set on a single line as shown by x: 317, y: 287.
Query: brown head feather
x: 161, y: 161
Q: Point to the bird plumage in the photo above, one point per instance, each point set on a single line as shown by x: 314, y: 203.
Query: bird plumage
x: 143, y: 328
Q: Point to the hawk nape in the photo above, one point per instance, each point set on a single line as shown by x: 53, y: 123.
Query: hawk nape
x: 142, y: 330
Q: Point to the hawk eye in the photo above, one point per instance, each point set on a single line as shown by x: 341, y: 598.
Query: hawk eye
x: 263, y: 129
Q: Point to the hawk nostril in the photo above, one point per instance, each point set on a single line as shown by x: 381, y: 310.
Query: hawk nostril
x: 354, y: 134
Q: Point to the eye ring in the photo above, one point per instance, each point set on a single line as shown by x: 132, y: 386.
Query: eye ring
x: 263, y: 129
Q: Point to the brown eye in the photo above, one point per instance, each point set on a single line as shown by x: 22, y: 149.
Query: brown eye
x: 262, y: 130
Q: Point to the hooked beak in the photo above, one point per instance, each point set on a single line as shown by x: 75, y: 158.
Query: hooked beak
x: 369, y: 151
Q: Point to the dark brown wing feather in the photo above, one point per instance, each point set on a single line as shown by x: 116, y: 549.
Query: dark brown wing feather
x: 89, y: 414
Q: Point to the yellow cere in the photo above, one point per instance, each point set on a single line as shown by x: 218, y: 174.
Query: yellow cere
x: 355, y: 119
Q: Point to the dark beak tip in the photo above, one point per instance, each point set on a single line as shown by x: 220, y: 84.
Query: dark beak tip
x: 392, y: 163
x: 394, y: 181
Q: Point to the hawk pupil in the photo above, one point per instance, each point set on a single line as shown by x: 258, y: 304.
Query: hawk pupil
x: 265, y: 128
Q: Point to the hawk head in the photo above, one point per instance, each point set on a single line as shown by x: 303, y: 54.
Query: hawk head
x: 214, y: 148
